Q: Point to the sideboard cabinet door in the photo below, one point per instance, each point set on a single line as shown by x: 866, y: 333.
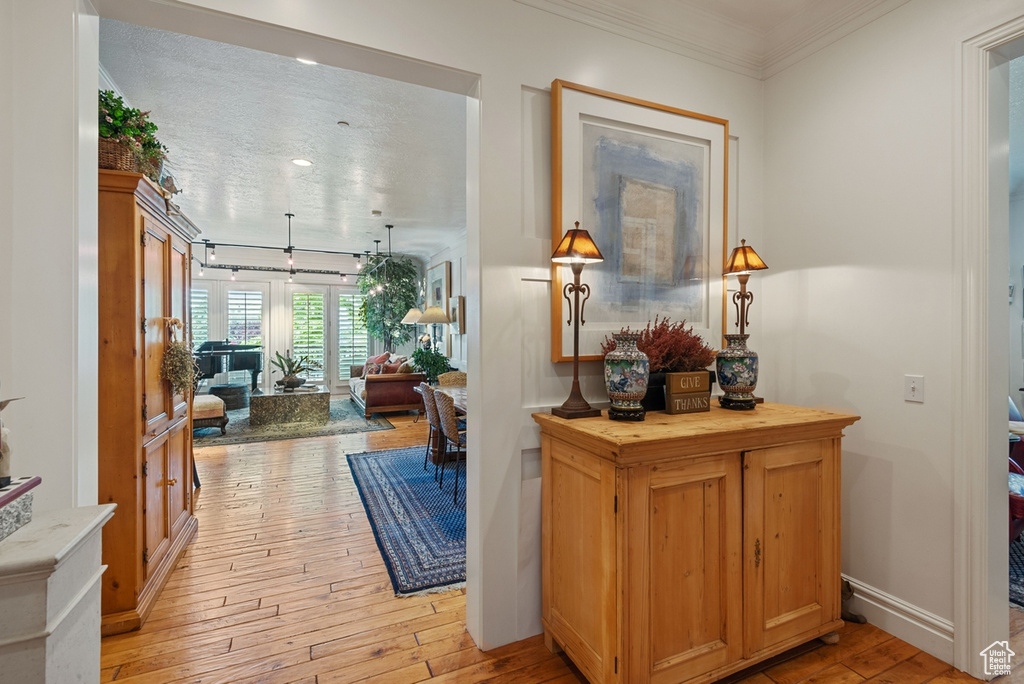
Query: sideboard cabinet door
x: 685, y: 589
x: 791, y: 541
x: 578, y: 539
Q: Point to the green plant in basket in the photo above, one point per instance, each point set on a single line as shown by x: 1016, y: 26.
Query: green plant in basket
x: 430, y: 362
x: 133, y: 129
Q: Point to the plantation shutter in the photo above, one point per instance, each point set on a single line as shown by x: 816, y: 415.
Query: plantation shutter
x: 245, y: 317
x: 200, y: 314
x: 352, y: 339
x: 308, y: 331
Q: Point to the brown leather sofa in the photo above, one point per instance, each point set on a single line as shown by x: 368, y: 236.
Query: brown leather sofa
x: 385, y: 392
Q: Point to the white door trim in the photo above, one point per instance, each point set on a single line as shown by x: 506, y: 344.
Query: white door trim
x: 979, y: 376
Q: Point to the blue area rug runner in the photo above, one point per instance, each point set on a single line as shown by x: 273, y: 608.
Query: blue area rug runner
x: 420, y: 531
x: 1017, y: 573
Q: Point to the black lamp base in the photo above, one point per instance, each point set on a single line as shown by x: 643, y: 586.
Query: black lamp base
x: 589, y: 412
x: 737, y: 404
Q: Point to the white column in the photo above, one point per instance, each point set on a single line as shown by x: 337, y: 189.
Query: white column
x: 50, y: 314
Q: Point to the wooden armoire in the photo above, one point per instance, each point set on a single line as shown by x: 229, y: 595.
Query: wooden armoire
x: 145, y: 435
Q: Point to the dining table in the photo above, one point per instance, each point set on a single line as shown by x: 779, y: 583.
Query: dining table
x: 457, y: 393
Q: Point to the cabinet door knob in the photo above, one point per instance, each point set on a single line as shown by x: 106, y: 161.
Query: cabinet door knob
x: 171, y: 483
x: 757, y: 553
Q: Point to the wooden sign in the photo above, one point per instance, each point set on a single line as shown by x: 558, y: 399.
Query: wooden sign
x: 687, y: 383
x: 693, y: 402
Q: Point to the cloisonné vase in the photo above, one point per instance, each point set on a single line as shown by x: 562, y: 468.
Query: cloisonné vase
x: 736, y: 367
x: 626, y: 372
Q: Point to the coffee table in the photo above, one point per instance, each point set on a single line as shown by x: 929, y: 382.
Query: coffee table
x: 302, y: 405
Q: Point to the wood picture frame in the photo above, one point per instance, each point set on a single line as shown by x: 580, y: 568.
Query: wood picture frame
x: 439, y: 279
x: 439, y: 289
x: 457, y: 314
x: 650, y: 184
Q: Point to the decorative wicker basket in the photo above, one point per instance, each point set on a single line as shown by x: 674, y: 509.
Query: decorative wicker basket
x: 114, y: 155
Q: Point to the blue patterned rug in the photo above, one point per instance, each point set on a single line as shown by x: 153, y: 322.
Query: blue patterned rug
x: 421, y: 532
x: 1017, y: 573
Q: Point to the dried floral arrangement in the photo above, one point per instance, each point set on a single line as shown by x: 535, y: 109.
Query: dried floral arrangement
x: 670, y: 347
x: 179, y: 366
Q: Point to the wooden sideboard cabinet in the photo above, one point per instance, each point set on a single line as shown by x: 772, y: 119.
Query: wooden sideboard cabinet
x: 687, y: 547
x: 145, y: 436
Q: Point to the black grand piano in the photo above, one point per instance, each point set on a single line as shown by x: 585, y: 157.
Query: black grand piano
x: 222, y: 357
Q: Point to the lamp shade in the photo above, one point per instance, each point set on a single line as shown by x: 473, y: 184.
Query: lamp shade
x: 434, y: 314
x: 413, y: 316
x: 744, y: 260
x: 576, y: 247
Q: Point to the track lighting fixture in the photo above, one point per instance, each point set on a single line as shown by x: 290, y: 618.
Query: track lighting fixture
x: 210, y: 256
x: 289, y: 249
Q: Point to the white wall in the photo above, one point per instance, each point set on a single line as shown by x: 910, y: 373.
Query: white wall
x: 859, y: 140
x: 48, y: 221
x: 517, y: 51
x: 6, y: 187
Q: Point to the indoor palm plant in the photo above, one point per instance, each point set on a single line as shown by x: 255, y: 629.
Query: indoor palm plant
x: 292, y: 367
x: 127, y: 140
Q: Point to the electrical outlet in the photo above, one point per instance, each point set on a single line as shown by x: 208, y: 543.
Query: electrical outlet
x: 913, y: 388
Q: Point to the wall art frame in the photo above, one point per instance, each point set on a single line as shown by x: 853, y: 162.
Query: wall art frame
x: 457, y: 314
x: 650, y: 184
x: 439, y: 278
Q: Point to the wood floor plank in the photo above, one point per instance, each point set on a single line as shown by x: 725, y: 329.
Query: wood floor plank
x: 920, y: 667
x: 880, y: 658
x: 284, y: 584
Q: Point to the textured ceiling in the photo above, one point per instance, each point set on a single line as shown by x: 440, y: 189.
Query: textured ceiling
x: 234, y: 118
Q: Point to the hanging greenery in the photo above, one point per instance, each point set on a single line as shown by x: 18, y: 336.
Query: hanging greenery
x: 391, y: 286
x: 179, y: 366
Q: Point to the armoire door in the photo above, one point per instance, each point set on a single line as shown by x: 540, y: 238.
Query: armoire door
x: 155, y: 300
x: 156, y: 525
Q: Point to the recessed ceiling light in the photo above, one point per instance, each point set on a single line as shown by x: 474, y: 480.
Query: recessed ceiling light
x: 302, y: 162
x: 305, y: 61
x: 375, y: 212
x: 343, y: 123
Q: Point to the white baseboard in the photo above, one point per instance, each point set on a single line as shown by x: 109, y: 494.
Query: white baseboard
x: 927, y: 631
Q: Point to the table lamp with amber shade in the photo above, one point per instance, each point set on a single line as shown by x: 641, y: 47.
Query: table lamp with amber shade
x: 736, y: 366
x: 576, y: 249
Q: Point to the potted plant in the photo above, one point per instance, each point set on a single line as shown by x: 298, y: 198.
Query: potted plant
x: 291, y: 367
x: 670, y: 348
x: 127, y: 140
x: 431, y: 362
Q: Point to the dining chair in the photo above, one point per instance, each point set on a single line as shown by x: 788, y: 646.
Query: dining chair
x: 434, y: 421
x: 452, y: 379
x: 453, y: 437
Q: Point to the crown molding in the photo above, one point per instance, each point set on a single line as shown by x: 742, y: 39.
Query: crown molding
x: 690, y: 30
x: 817, y: 27
x: 707, y: 38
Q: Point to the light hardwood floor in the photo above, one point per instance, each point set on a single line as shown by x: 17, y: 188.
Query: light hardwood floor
x: 284, y: 583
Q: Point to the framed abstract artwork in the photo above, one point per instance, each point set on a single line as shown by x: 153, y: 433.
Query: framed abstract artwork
x: 649, y: 182
x: 457, y: 314
x: 439, y: 279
